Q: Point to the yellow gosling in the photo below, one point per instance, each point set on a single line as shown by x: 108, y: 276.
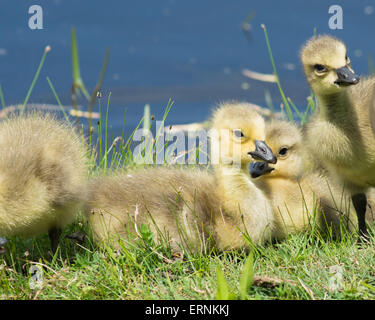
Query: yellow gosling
x: 339, y: 135
x: 239, y: 130
x: 189, y: 208
x: 301, y: 199
x: 43, y: 173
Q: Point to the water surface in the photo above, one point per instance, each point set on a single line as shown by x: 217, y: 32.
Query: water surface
x: 190, y: 51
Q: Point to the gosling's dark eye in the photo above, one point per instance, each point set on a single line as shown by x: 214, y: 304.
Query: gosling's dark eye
x: 238, y: 133
x: 283, y: 151
x: 320, y: 68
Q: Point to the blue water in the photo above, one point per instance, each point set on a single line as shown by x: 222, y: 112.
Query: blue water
x: 190, y: 51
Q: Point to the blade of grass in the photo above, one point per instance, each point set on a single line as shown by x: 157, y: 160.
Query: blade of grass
x: 78, y: 85
x: 100, y: 126
x: 123, y: 129
x: 98, y: 86
x: 222, y: 285
x: 46, y: 50
x: 285, y: 101
x: 223, y: 292
x: 106, y: 131
x: 58, y: 99
x: 310, y: 106
x: 2, y: 98
x: 77, y: 79
x: 247, y: 275
x: 295, y: 108
x: 108, y: 152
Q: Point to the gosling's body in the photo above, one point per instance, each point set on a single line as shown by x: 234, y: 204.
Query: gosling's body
x: 43, y: 170
x: 300, y: 198
x: 176, y: 204
x: 190, y: 206
x: 340, y: 133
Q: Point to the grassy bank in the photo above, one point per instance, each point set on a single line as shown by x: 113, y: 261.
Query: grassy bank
x: 303, y: 267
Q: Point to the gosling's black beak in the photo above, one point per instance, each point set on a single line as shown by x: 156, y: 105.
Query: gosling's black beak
x: 263, y: 152
x: 3, y: 242
x: 258, y: 169
x: 346, y: 77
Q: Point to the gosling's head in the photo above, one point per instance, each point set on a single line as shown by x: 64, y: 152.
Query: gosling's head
x: 238, y: 134
x: 285, y: 139
x: 326, y: 65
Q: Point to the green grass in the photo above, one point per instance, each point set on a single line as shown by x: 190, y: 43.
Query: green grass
x: 297, y: 268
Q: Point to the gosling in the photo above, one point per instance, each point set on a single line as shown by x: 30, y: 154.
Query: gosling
x: 189, y: 207
x: 340, y: 134
x: 300, y: 198
x: 237, y: 130
x: 43, y: 172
